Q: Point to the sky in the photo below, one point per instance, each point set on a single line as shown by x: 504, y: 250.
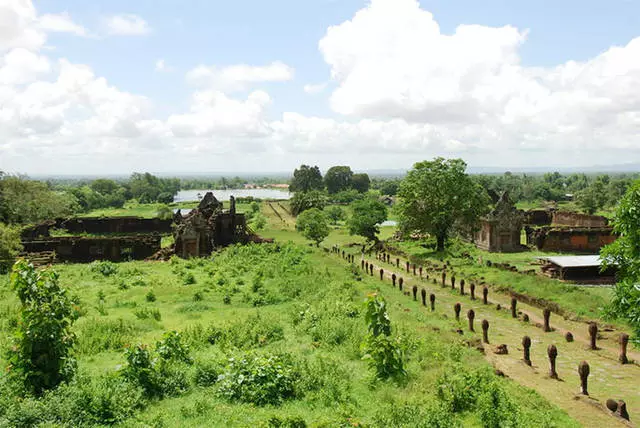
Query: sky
x: 209, y: 86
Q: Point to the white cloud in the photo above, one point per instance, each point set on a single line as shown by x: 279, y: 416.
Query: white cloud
x: 315, y: 88
x: 126, y: 25
x: 61, y: 23
x: 239, y: 77
x: 160, y: 65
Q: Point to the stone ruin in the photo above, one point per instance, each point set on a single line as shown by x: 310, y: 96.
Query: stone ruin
x: 500, y: 230
x: 209, y: 227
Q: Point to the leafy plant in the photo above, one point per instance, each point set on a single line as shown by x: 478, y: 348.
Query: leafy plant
x: 313, y: 225
x: 104, y: 268
x: 10, y: 246
x: 43, y: 341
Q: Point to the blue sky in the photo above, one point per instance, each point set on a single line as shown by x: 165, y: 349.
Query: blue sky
x: 371, y: 113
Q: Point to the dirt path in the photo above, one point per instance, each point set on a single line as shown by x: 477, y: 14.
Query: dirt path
x: 608, y: 378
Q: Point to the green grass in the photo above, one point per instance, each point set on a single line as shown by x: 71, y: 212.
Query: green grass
x: 291, y: 300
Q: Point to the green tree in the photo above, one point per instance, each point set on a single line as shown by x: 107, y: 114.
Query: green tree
x: 104, y: 186
x: 43, y: 340
x: 313, y: 224
x: 366, y: 215
x: 438, y: 196
x: 338, y: 178
x: 361, y: 182
x: 306, y: 178
x: 28, y: 201
x: 302, y: 201
x: 10, y: 246
x: 624, y: 254
x: 335, y: 213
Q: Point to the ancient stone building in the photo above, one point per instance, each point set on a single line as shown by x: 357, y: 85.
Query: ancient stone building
x: 209, y: 227
x: 501, y: 229
x: 570, y: 239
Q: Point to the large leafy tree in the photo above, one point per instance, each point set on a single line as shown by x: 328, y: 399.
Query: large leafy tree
x: 438, y: 196
x: 29, y: 201
x: 625, y: 255
x: 366, y: 215
x: 314, y: 225
x: 302, y: 201
x: 338, y: 178
x: 361, y: 182
x: 306, y: 178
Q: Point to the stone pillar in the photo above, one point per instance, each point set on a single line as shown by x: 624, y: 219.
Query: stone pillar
x: 414, y: 269
x: 361, y: 264
x: 470, y: 316
x: 393, y: 279
x: 397, y: 262
x: 485, y: 294
x: 453, y: 282
x: 472, y: 291
x: 444, y: 278
x: 415, y: 292
x: 514, y: 307
x: 420, y: 272
x: 407, y: 266
x: 593, y: 336
x: 400, y: 281
x: 568, y: 337
x: 526, y: 345
x: 456, y: 308
x: 366, y: 267
x: 432, y: 300
x: 583, y: 371
x: 546, y: 315
x: 624, y: 341
x: 381, y: 274
x: 485, y: 331
x: 552, y: 352
x: 462, y: 287
x: 423, y: 294
x: 232, y: 205
x: 622, y: 410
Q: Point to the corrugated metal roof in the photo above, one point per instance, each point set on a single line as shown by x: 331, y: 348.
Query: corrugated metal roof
x: 574, y: 261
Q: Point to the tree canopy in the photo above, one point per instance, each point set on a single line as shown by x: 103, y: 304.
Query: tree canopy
x: 437, y: 196
x: 302, y: 201
x: 366, y: 215
x: 361, y: 182
x: 306, y: 178
x: 338, y: 178
x: 313, y: 224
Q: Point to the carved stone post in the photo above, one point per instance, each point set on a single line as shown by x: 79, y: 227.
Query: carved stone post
x: 622, y: 410
x: 397, y: 262
x: 568, y: 337
x: 444, y: 278
x: 415, y: 292
x: 423, y: 294
x: 453, y: 282
x: 514, y: 309
x: 393, y: 279
x: 400, y: 282
x: 583, y: 371
x: 526, y: 345
x: 462, y: 287
x: 421, y: 272
x: 546, y: 315
x: 371, y: 268
x: 366, y: 267
x: 593, y: 335
x: 552, y: 352
x: 485, y: 331
x: 381, y: 274
x: 407, y: 267
x: 472, y: 291
x: 432, y: 300
x: 624, y: 341
x: 471, y: 315
x: 456, y: 308
x: 485, y: 294
x: 361, y: 264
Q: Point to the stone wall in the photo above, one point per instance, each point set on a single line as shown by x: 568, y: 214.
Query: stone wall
x: 86, y: 249
x: 575, y: 240
x: 571, y: 219
x: 538, y: 217
x: 101, y: 225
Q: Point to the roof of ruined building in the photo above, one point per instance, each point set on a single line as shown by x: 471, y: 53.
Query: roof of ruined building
x: 574, y: 261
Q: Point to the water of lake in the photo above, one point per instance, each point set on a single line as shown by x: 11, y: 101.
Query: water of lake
x: 223, y: 195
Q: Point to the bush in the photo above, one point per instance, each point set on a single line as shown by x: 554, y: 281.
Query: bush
x: 258, y: 379
x: 206, y: 373
x: 98, y: 335
x: 496, y: 409
x: 150, y: 296
x: 105, y: 268
x: 10, y: 246
x: 148, y: 313
x: 254, y: 331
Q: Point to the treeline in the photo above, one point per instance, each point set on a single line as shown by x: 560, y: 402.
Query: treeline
x: 223, y: 183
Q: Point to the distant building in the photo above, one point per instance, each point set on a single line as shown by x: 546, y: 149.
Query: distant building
x: 501, y: 229
x: 578, y: 269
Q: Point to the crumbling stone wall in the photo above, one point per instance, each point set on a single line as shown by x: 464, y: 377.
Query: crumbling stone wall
x: 565, y: 218
x: 586, y: 240
x: 99, y: 225
x: 87, y: 249
x: 500, y: 230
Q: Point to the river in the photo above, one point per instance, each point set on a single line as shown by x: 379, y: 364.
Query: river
x: 223, y: 195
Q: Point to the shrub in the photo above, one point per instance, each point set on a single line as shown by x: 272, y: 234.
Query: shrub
x: 254, y: 331
x: 104, y: 268
x: 150, y: 297
x: 147, y: 313
x: 496, y: 409
x: 188, y: 278
x: 258, y: 379
x: 10, y: 246
x: 206, y: 373
x: 198, y: 296
x: 98, y: 335
x: 43, y: 341
x: 171, y: 348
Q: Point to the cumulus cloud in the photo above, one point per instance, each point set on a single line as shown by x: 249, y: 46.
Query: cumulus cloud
x: 314, y: 88
x: 391, y: 60
x: 126, y: 25
x: 239, y: 77
x: 61, y: 23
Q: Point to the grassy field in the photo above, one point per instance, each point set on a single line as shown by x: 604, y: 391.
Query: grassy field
x: 290, y: 304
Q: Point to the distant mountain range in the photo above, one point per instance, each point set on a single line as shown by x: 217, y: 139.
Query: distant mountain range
x: 616, y: 169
